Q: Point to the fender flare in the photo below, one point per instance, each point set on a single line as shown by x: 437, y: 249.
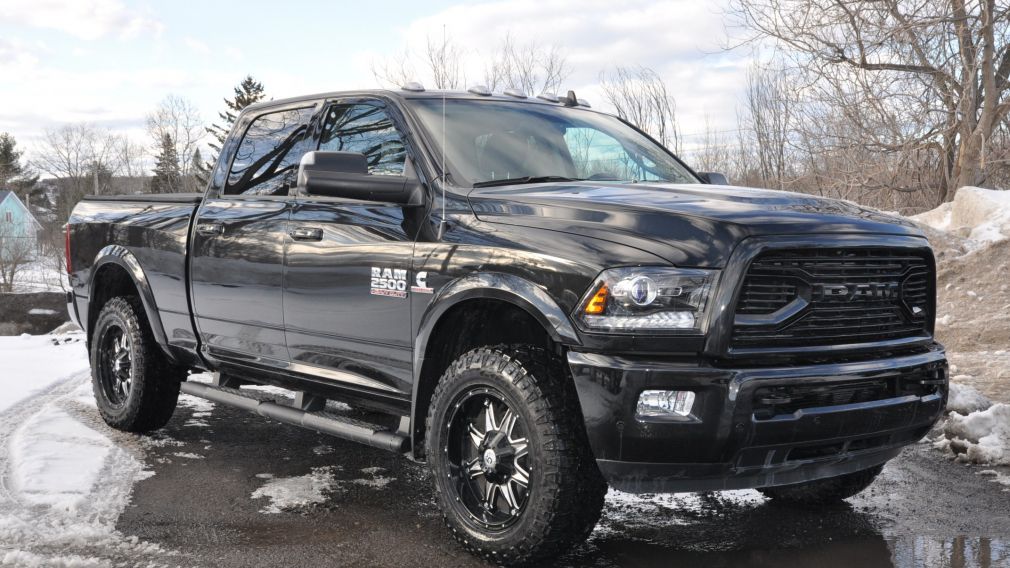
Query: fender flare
x: 487, y: 285
x: 122, y: 257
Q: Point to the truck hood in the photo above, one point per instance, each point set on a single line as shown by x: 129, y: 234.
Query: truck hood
x: 686, y: 224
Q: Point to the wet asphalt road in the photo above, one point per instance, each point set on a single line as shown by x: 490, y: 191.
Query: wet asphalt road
x: 923, y: 511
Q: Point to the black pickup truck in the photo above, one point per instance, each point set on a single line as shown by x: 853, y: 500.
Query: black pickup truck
x: 535, y: 298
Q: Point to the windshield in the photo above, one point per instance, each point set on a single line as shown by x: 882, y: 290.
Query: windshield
x: 492, y: 142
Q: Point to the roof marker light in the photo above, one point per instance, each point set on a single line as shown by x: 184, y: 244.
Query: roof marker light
x: 480, y: 90
x: 551, y: 97
x: 514, y: 93
x: 413, y: 86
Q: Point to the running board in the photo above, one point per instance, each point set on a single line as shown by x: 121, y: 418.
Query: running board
x: 318, y: 420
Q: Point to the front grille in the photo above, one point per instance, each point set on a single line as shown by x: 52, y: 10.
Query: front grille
x: 822, y: 297
x: 786, y: 399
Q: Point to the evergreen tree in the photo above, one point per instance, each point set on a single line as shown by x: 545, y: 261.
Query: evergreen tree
x: 167, y: 174
x: 247, y: 92
x: 199, y: 169
x: 13, y: 174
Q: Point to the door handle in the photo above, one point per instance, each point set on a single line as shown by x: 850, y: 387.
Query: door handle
x: 210, y: 229
x: 307, y: 234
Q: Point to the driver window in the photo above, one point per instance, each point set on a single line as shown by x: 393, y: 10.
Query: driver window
x: 367, y: 129
x: 266, y: 162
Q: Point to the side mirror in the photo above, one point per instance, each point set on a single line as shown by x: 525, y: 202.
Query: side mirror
x: 345, y: 174
x: 713, y: 178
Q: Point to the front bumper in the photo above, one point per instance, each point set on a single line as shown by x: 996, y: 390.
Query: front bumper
x: 731, y: 441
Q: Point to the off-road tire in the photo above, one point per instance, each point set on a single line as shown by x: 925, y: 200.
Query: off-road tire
x: 154, y: 389
x: 566, y: 490
x: 823, y: 491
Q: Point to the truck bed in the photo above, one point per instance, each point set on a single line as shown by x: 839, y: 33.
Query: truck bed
x: 153, y: 230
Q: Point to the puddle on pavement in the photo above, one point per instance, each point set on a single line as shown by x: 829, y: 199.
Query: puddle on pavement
x: 740, y: 528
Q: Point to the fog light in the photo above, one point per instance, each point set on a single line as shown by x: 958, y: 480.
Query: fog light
x: 654, y: 403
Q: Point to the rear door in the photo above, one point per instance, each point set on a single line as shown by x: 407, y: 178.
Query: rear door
x: 346, y: 305
x: 237, y: 258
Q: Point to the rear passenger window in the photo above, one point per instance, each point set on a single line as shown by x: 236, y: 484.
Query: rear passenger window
x: 366, y: 129
x: 266, y: 162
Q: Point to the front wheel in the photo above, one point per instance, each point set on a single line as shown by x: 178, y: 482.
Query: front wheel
x: 824, y: 491
x: 514, y: 476
x: 136, y: 388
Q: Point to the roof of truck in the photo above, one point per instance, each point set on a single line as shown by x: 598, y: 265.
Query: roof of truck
x: 411, y: 94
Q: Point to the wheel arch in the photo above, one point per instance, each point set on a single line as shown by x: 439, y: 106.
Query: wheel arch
x: 117, y: 272
x: 533, y: 314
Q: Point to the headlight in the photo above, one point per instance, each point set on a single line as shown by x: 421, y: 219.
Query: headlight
x: 648, y: 298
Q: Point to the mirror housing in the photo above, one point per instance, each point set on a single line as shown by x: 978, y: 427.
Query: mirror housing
x: 713, y: 178
x: 345, y: 175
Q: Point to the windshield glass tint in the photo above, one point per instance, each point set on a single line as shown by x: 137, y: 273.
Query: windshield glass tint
x: 496, y: 140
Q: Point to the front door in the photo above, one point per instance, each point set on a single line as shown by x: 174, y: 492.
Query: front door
x: 237, y: 258
x: 346, y: 305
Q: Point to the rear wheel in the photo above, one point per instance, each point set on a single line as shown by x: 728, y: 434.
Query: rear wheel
x: 136, y: 388
x: 515, y: 479
x: 824, y: 491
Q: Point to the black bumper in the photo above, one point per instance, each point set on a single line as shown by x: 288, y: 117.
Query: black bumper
x: 733, y: 441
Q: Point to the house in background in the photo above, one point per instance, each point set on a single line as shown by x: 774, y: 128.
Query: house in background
x: 18, y: 227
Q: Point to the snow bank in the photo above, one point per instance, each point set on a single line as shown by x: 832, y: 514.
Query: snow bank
x: 976, y: 213
x: 964, y: 399
x: 33, y: 363
x: 981, y: 437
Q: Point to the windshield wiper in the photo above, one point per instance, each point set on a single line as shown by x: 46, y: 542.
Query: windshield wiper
x: 521, y: 180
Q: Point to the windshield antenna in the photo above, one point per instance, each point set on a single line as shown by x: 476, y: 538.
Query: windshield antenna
x: 442, y: 224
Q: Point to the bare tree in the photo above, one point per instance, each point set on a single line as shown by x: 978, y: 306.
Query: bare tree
x: 395, y: 71
x: 769, y: 122
x: 640, y: 96
x: 15, y: 254
x: 528, y: 67
x: 913, y: 78
x: 444, y: 61
x: 178, y: 118
x: 441, y: 61
x: 80, y: 154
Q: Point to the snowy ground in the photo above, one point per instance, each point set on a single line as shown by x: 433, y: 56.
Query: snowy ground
x: 64, y: 476
x: 43, y: 275
x: 971, y: 237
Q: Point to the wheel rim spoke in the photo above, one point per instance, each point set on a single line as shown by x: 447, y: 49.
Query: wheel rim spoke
x: 509, y: 496
x: 521, y: 476
x: 476, y: 435
x: 491, y: 496
x: 489, y: 422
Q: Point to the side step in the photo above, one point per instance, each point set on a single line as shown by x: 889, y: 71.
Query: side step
x: 318, y: 420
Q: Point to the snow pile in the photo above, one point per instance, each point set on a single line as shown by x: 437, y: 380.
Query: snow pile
x: 980, y: 437
x: 979, y: 214
x: 964, y: 399
x: 290, y: 492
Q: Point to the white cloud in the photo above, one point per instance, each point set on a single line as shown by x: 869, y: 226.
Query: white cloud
x: 85, y: 19
x: 196, y: 45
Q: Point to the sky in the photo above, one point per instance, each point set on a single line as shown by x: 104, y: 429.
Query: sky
x: 109, y: 62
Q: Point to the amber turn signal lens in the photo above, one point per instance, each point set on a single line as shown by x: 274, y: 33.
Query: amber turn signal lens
x: 598, y: 304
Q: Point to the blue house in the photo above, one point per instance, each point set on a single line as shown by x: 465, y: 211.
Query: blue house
x: 18, y: 227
